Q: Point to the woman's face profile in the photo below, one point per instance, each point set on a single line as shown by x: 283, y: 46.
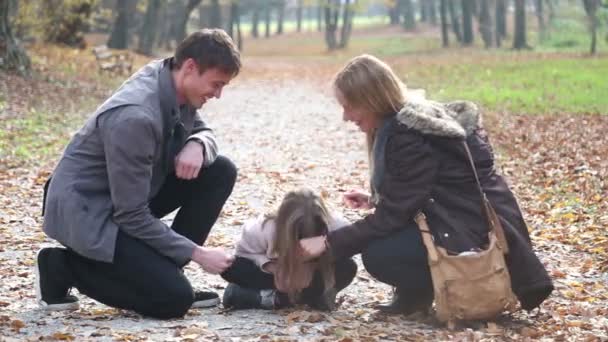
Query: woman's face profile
x: 359, y: 116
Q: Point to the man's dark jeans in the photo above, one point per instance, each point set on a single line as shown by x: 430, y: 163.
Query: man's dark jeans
x: 141, y: 279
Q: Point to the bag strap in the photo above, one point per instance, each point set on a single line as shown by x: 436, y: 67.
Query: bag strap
x: 486, y: 206
x: 427, y: 237
x: 470, y: 158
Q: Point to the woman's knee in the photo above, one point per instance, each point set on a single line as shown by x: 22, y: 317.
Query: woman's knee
x: 374, y: 261
x: 346, y: 270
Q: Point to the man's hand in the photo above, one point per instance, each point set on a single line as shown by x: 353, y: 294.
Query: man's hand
x: 212, y: 260
x: 189, y: 161
x: 313, y: 247
x: 357, y: 199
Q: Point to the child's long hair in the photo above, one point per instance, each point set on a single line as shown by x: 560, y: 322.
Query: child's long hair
x: 302, y: 214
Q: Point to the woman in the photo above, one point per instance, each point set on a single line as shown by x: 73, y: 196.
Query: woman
x: 418, y: 163
x: 270, y: 271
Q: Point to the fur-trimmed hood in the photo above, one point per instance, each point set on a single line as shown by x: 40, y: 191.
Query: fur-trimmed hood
x: 456, y: 119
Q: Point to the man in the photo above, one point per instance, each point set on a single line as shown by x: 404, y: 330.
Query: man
x: 144, y: 153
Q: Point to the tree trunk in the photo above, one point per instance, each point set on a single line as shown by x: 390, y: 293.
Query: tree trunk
x: 255, y: 19
x: 231, y: 20
x: 147, y: 35
x: 445, y: 39
x: 203, y: 16
x: 551, y: 9
x: 455, y: 20
x: 267, y: 13
x: 409, y: 18
x: 164, y: 27
x: 467, y: 22
x: 347, y: 23
x: 485, y: 23
x: 424, y: 13
x: 119, y: 38
x: 177, y: 11
x: 432, y: 12
x: 519, y: 39
x: 299, y: 10
x: 501, y: 21
x: 235, y: 24
x: 591, y: 7
x: 538, y: 4
x: 393, y: 13
x: 331, y: 23
x: 311, y: 13
x: 475, y: 8
x: 280, y: 16
x: 215, y: 15
x: 320, y: 14
x: 12, y: 56
x: 183, y: 21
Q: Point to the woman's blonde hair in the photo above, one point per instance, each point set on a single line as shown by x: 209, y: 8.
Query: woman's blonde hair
x: 368, y: 83
x: 302, y: 214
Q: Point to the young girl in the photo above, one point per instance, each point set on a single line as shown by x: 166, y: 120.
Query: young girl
x: 271, y: 271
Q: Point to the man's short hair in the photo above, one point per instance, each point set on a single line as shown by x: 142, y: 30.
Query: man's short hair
x: 209, y: 48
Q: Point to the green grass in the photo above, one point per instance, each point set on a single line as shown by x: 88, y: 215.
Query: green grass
x: 532, y: 86
x: 385, y: 46
x: 570, y: 35
x: 309, y: 25
x: 41, y: 132
x: 33, y: 136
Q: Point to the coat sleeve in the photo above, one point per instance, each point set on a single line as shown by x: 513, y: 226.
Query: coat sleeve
x: 130, y: 142
x: 204, y: 135
x: 254, y: 244
x: 406, y: 186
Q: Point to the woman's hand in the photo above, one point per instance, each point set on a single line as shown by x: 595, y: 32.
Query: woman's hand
x: 313, y: 247
x: 357, y: 199
x: 270, y: 267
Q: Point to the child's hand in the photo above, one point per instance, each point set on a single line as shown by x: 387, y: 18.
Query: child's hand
x: 313, y: 247
x: 357, y: 199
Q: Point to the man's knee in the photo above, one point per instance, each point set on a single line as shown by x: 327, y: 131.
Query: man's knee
x: 176, y: 301
x: 225, y: 168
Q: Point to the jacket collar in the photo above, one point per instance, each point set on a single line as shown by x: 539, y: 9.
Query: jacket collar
x: 168, y: 93
x: 452, y: 120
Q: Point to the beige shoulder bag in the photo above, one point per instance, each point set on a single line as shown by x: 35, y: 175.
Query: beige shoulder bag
x: 471, y: 285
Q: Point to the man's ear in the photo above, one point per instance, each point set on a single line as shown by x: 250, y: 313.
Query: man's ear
x: 190, y: 66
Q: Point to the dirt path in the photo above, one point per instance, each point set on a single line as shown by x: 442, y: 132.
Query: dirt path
x: 281, y: 134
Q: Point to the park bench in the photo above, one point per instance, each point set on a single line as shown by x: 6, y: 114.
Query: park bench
x: 113, y: 62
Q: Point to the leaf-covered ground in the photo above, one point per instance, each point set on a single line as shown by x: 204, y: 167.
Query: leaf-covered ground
x: 283, y: 130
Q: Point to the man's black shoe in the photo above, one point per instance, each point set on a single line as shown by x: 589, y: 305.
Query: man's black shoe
x: 205, y: 299
x: 52, y: 281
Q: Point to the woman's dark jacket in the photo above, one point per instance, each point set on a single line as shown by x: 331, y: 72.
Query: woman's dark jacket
x: 420, y: 163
